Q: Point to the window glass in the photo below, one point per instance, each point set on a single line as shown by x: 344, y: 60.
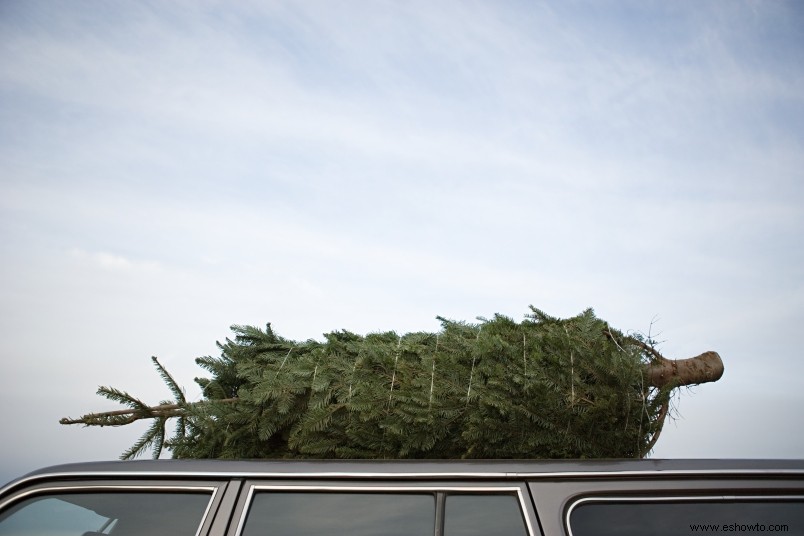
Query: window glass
x: 340, y: 514
x: 116, y: 513
x: 483, y: 515
x: 688, y: 517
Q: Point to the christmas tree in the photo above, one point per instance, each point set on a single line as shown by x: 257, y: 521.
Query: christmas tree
x: 541, y: 388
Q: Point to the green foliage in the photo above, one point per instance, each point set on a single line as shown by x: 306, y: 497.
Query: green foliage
x: 540, y: 388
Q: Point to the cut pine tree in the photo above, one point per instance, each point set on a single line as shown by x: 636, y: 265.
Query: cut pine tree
x: 541, y: 388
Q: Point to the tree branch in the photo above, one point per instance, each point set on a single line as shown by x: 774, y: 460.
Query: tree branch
x: 127, y: 416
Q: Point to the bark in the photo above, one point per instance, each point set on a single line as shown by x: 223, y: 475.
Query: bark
x: 704, y: 368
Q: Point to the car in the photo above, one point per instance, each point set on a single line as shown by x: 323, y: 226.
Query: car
x: 407, y: 498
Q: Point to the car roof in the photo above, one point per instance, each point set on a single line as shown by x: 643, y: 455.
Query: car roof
x: 416, y: 469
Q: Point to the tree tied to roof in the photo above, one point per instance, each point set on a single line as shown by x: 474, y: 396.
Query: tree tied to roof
x: 541, y: 388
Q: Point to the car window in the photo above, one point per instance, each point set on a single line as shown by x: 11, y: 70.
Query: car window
x: 483, y: 515
x: 109, y: 512
x: 340, y: 514
x: 685, y: 517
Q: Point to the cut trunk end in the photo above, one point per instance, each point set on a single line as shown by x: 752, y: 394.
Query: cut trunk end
x: 704, y: 368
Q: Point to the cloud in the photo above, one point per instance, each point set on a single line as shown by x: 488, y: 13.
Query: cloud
x: 115, y: 262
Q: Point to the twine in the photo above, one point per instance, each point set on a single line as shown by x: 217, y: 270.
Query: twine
x: 393, y: 376
x: 432, y: 376
x: 472, y: 372
x: 283, y: 363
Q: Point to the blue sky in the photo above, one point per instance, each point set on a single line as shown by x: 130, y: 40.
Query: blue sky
x: 168, y: 169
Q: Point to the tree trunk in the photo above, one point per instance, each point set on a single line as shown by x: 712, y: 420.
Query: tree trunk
x: 704, y: 368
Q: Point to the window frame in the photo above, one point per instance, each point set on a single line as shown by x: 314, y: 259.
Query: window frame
x: 516, y: 489
x: 215, y: 491
x: 688, y: 498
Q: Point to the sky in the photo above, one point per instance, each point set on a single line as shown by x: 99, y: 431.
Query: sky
x: 169, y: 169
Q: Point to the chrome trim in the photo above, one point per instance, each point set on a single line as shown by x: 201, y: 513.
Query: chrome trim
x: 502, y: 490
x: 673, y: 498
x: 410, y: 475
x: 207, y: 510
x: 106, y: 487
